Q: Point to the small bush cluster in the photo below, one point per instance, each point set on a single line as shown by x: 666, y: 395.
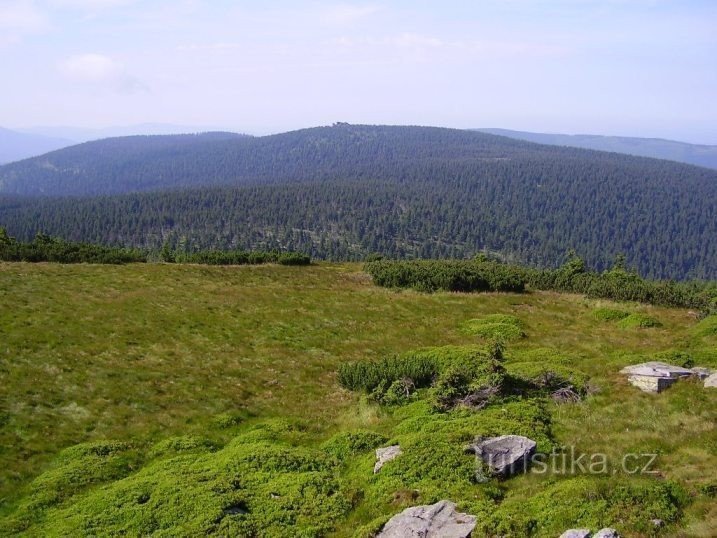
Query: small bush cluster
x: 49, y: 249
x: 639, y: 321
x: 248, y: 488
x: 240, y: 257
x: 503, y: 327
x: 621, y: 284
x: 707, y: 327
x: 368, y: 376
x: 346, y: 444
x: 447, y: 275
x: 469, y: 375
x: 673, y: 356
x: 180, y: 445
x: 609, y: 314
x: 482, y: 274
x: 587, y: 502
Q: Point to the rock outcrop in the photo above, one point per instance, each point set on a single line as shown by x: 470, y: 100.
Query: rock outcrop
x: 384, y: 455
x: 504, y: 455
x: 655, y: 376
x: 607, y: 533
x: 711, y: 381
x: 702, y: 372
x: 577, y: 533
x: 440, y: 520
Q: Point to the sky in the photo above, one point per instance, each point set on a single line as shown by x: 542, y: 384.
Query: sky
x: 622, y: 67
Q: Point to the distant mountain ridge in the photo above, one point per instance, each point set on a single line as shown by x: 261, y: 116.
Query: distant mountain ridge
x: 658, y: 148
x: 86, y: 134
x: 342, y: 192
x: 15, y: 146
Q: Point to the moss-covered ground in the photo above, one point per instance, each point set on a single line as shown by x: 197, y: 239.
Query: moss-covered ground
x: 178, y: 400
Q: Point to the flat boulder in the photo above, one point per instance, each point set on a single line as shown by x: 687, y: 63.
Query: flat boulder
x: 384, y: 455
x: 577, y: 533
x: 711, y: 381
x: 655, y: 376
x: 504, y: 455
x: 702, y: 372
x: 440, y: 520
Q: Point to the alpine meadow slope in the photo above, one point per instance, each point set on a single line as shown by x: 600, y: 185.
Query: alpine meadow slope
x: 345, y: 191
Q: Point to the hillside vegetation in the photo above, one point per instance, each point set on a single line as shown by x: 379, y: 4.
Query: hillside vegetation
x: 658, y: 148
x: 173, y: 399
x: 342, y: 192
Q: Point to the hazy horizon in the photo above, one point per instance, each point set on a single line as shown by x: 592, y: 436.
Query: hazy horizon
x: 642, y: 69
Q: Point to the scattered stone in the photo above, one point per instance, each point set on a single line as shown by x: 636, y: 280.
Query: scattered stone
x: 384, y: 455
x: 506, y: 454
x: 711, y: 381
x: 565, y: 395
x: 607, y: 533
x: 440, y: 520
x: 655, y: 376
x: 701, y: 372
x: 577, y: 533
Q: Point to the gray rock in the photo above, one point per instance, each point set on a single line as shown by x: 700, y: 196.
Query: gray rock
x: 384, y: 455
x: 658, y: 523
x: 657, y: 369
x: 577, y: 533
x: 504, y: 455
x: 711, y: 381
x: 438, y: 520
x: 702, y: 372
x: 607, y: 533
x: 655, y: 376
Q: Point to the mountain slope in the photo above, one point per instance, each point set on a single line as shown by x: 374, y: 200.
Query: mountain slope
x: 15, y: 146
x: 115, y: 165
x: 342, y: 192
x: 134, y: 164
x: 697, y: 154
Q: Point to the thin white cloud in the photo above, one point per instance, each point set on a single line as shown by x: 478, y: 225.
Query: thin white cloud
x: 347, y: 13
x: 21, y: 16
x: 100, y: 71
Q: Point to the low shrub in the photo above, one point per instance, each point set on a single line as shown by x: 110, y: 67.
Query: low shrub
x: 707, y: 327
x: 639, y: 321
x: 546, y: 378
x: 347, y: 444
x: 445, y: 275
x: 587, y: 502
x: 179, y: 445
x: 678, y: 358
x: 370, y: 375
x: 502, y: 327
x: 50, y: 249
x: 245, y: 489
x: 609, y: 314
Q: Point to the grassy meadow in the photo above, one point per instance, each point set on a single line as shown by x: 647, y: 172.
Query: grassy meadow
x: 202, y: 368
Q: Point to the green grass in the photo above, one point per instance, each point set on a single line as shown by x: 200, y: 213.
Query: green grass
x: 639, y: 321
x: 131, y: 398
x: 503, y: 327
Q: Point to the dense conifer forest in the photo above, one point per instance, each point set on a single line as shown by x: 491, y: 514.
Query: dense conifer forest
x: 346, y: 191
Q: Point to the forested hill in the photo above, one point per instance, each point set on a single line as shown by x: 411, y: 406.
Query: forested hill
x: 697, y: 154
x: 342, y: 152
x: 342, y: 192
x: 124, y: 164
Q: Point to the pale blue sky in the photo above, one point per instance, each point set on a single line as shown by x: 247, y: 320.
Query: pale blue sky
x: 630, y: 67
